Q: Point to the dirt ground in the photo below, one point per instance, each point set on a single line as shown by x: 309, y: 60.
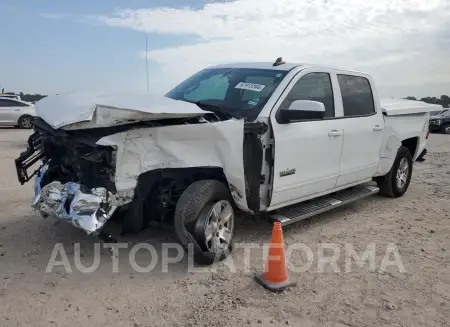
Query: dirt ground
x: 418, y: 223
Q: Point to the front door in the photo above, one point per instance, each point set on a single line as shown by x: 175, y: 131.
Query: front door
x: 307, y: 153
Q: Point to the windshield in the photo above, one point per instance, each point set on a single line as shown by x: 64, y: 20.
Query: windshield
x: 239, y: 92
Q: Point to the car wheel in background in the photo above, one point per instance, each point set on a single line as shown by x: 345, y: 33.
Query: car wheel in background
x: 26, y: 122
x: 446, y: 129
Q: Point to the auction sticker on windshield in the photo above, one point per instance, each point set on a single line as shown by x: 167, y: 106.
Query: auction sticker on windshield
x: 250, y: 86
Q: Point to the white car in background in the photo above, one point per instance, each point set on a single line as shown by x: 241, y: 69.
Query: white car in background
x: 10, y: 96
x: 14, y: 112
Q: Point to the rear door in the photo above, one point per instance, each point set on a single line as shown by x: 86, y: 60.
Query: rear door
x: 363, y: 126
x: 307, y: 153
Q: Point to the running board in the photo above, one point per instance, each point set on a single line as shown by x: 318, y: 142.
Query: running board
x: 322, y: 204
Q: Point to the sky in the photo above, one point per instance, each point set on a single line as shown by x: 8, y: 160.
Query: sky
x: 51, y: 46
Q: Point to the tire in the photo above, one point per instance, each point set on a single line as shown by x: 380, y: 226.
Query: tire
x: 388, y: 184
x: 446, y: 129
x: 25, y: 122
x: 192, y: 217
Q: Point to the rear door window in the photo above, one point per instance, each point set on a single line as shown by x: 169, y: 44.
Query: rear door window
x: 357, y: 95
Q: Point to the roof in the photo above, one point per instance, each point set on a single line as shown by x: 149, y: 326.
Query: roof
x: 260, y: 65
x: 282, y: 67
x: 7, y: 95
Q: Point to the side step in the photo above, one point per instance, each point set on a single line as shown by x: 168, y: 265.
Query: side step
x: 322, y: 204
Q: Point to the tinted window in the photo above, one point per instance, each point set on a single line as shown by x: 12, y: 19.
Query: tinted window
x: 240, y: 92
x: 6, y: 103
x: 314, y: 87
x: 357, y: 95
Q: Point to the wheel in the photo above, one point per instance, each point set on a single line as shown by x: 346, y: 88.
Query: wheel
x: 204, y: 216
x: 214, y: 227
x: 25, y: 122
x: 395, y: 183
x: 446, y: 129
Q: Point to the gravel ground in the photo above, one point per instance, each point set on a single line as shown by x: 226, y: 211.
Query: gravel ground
x: 418, y: 223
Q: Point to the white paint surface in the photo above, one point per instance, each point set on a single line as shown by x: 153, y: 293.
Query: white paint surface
x: 393, y: 107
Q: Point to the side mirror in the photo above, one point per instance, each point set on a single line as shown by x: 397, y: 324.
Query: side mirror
x: 302, y: 110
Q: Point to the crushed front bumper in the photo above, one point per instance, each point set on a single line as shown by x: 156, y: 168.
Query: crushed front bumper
x: 86, y: 209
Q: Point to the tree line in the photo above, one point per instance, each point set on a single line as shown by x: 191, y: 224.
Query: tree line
x: 31, y: 97
x: 26, y: 97
x: 444, y: 100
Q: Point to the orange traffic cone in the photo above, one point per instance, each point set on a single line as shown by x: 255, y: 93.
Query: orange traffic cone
x: 275, y: 277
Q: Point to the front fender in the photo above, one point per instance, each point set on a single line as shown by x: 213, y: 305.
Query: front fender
x: 211, y: 145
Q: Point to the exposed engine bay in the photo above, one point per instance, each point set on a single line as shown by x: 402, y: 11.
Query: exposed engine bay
x: 69, y: 156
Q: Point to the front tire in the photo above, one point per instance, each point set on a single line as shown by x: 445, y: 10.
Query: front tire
x: 395, y: 183
x: 205, y: 211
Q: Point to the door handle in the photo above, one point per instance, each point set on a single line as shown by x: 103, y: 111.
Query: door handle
x: 334, y: 133
x: 377, y: 128
x: 16, y: 109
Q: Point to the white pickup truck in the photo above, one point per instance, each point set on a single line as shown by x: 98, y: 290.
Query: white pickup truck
x: 278, y: 141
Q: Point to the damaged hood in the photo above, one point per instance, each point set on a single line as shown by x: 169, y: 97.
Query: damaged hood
x: 86, y: 110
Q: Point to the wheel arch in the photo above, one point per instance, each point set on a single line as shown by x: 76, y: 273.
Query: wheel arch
x: 387, y: 183
x: 149, y: 186
x: 147, y: 180
x: 412, y: 144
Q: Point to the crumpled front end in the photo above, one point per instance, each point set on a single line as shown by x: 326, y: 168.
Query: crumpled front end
x: 89, y: 174
x: 87, y: 209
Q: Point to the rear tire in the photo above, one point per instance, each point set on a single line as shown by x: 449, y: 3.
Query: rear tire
x: 395, y: 183
x: 25, y: 122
